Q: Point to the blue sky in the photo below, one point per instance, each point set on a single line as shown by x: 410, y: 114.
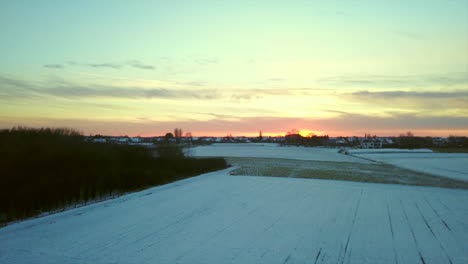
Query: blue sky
x: 146, y: 66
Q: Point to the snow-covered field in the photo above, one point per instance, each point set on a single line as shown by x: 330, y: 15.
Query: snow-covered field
x: 389, y: 150
x: 273, y: 151
x: 452, y: 165
x: 219, y: 218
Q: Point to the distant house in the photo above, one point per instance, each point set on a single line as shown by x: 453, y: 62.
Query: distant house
x: 371, y: 143
x: 99, y: 140
x: 439, y: 141
x: 388, y: 141
x: 135, y: 139
x: 123, y: 140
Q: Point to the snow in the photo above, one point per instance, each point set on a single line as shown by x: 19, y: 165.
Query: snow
x: 451, y: 165
x: 272, y: 150
x: 217, y: 218
x: 385, y: 151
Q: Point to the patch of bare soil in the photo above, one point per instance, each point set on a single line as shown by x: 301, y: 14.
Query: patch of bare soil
x: 375, y: 172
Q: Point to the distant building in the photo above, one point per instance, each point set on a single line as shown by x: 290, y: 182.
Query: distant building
x: 135, y: 139
x: 371, y: 143
x: 123, y: 140
x: 99, y: 140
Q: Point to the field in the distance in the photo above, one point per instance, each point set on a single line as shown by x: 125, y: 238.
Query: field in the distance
x: 450, y: 165
x: 411, y: 167
x: 332, y: 170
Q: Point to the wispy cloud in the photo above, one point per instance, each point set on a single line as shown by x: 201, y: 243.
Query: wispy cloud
x: 351, y: 124
x: 103, y: 65
x: 17, y: 88
x: 133, y: 63
x: 395, y: 81
x: 140, y: 65
x: 440, y: 101
x: 11, y: 89
x: 5, y: 82
x: 252, y: 94
x: 192, y: 90
x: 128, y: 92
x: 412, y: 94
x: 205, y: 61
x: 54, y: 66
x: 244, y: 97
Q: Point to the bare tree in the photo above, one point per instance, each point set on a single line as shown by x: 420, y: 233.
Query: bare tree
x: 178, y: 132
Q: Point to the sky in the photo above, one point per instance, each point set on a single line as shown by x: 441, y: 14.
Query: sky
x: 214, y: 67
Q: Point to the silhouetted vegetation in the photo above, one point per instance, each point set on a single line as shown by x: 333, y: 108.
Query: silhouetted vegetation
x: 294, y: 138
x: 48, y: 169
x: 409, y: 141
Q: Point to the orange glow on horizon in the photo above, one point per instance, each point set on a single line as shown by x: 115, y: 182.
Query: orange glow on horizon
x: 309, y: 133
x: 305, y: 133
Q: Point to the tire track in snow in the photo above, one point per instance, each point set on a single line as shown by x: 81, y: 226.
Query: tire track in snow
x: 454, y: 238
x: 318, y: 255
x: 352, y: 226
x: 463, y: 224
x: 412, y: 233
x: 440, y: 218
x: 132, y: 230
x: 287, y: 259
x: 167, y: 226
x: 253, y: 188
x: 236, y: 221
x: 391, y: 230
x: 432, y: 232
x: 284, y: 213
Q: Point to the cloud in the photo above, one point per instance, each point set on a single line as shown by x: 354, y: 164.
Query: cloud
x: 412, y: 94
x: 345, y: 125
x: 195, y: 90
x: 92, y: 65
x: 11, y: 89
x: 133, y: 63
x: 103, y: 65
x: 393, y: 81
x: 22, y: 89
x: 128, y: 92
x: 5, y: 81
x: 253, y: 94
x: 244, y: 97
x: 140, y: 65
x: 230, y: 120
x: 451, y: 101
x: 54, y: 66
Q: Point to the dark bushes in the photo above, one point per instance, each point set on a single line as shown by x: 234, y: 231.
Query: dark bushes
x: 47, y: 169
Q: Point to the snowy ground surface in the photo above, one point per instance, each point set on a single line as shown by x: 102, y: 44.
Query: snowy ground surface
x: 273, y: 151
x: 389, y: 150
x: 375, y: 172
x: 218, y: 218
x: 452, y: 165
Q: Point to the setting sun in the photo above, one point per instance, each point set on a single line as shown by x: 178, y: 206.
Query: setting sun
x: 309, y: 133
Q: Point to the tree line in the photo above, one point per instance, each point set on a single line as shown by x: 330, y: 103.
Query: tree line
x: 47, y: 169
